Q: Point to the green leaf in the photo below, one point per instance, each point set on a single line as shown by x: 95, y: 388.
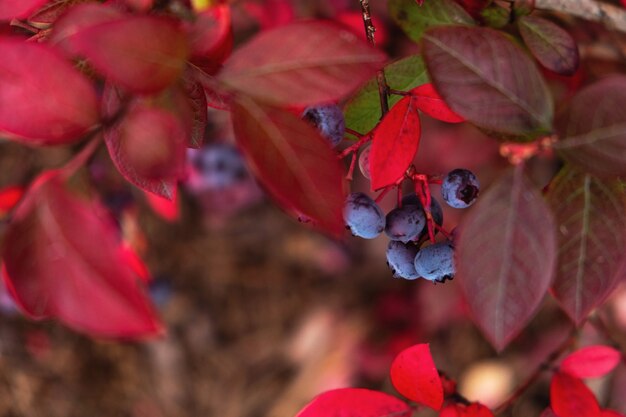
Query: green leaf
x: 362, y: 111
x: 415, y: 20
x: 591, y: 219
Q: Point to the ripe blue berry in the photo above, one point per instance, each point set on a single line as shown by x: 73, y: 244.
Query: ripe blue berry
x: 328, y: 120
x: 435, y: 208
x: 405, y: 223
x: 435, y: 262
x: 363, y: 216
x: 400, y: 258
x: 460, y: 188
x: 216, y: 166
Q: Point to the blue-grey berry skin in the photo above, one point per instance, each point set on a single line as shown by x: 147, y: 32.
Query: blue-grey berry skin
x: 435, y: 208
x: 219, y: 165
x: 328, y: 120
x: 400, y: 258
x: 460, y: 188
x: 435, y: 262
x: 405, y: 223
x: 363, y: 216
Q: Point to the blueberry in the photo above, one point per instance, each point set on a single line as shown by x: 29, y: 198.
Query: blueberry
x: 363, y: 216
x: 328, y: 120
x: 436, y: 262
x: 400, y: 258
x: 405, y: 223
x: 460, y: 188
x: 364, y: 162
x: 217, y: 166
x: 435, y: 208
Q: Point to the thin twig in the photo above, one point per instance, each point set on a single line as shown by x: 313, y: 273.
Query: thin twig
x: 613, y: 17
x: 380, y: 75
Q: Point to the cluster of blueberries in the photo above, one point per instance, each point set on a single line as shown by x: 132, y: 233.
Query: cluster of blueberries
x: 407, y: 253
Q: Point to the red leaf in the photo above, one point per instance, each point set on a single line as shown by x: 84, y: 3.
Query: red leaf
x: 270, y: 13
x: 9, y: 197
x: 140, y: 5
x: 132, y: 259
x: 486, y: 78
x: 293, y: 161
x: 167, y: 209
x: 506, y: 256
x: 301, y: 64
x: 591, y: 361
x: 147, y: 146
x: 193, y: 109
x: 548, y: 413
x: 592, y: 239
x: 430, y: 102
x: 570, y: 397
x: 610, y: 413
x: 43, y: 99
x: 63, y: 260
x: 395, y: 143
x: 414, y: 375
x: 214, y: 94
x: 18, y: 9
x: 143, y: 54
x: 462, y: 410
x: 355, y: 402
x: 211, y: 38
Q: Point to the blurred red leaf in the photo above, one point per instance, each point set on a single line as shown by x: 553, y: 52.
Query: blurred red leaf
x: 63, y: 260
x: 17, y: 9
x: 488, y: 80
x: 143, y: 54
x: 9, y: 197
x: 593, y: 128
x: 294, y: 163
x: 462, y: 410
x: 136, y: 264
x: 43, y: 99
x: 591, y: 361
x: 211, y: 38
x: 592, y: 239
x: 414, y: 375
x: 610, y: 413
x: 570, y: 397
x: 548, y: 413
x: 474, y: 7
x: 355, y: 402
x: 49, y: 13
x: 147, y: 146
x: 553, y: 47
x: 270, y: 13
x: 395, y: 142
x: 140, y: 5
x: 214, y: 94
x: 428, y: 100
x: 301, y: 63
x: 193, y: 110
x: 506, y: 256
x: 353, y: 20
x: 165, y: 208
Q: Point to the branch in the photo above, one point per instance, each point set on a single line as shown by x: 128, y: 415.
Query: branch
x: 613, y: 17
x: 380, y: 75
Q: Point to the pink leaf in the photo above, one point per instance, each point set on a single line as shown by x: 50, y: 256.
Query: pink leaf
x: 211, y: 38
x: 143, y: 54
x: 293, y: 161
x: 414, y: 375
x: 301, y: 63
x: 43, y: 99
x: 18, y: 9
x: 506, y: 256
x: 591, y: 361
x: 355, y: 402
x: 165, y: 208
x: 395, y: 143
x: 430, y: 102
x: 57, y: 268
x: 9, y: 197
x: 592, y: 239
x: 570, y: 397
x: 132, y: 259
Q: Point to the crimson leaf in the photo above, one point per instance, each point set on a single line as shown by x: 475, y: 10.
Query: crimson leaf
x: 301, y: 63
x: 211, y: 38
x: 355, y: 402
x: 553, y: 47
x: 292, y: 160
x: 414, y: 375
x: 593, y: 128
x: 488, y: 80
x: 55, y: 268
x: 17, y: 9
x: 570, y: 397
x: 506, y: 256
x: 43, y: 99
x: 591, y: 361
x: 428, y: 100
x: 394, y: 143
x: 592, y: 240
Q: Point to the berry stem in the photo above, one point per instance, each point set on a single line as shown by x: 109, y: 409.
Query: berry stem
x: 545, y: 365
x: 352, y: 165
x: 355, y: 147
